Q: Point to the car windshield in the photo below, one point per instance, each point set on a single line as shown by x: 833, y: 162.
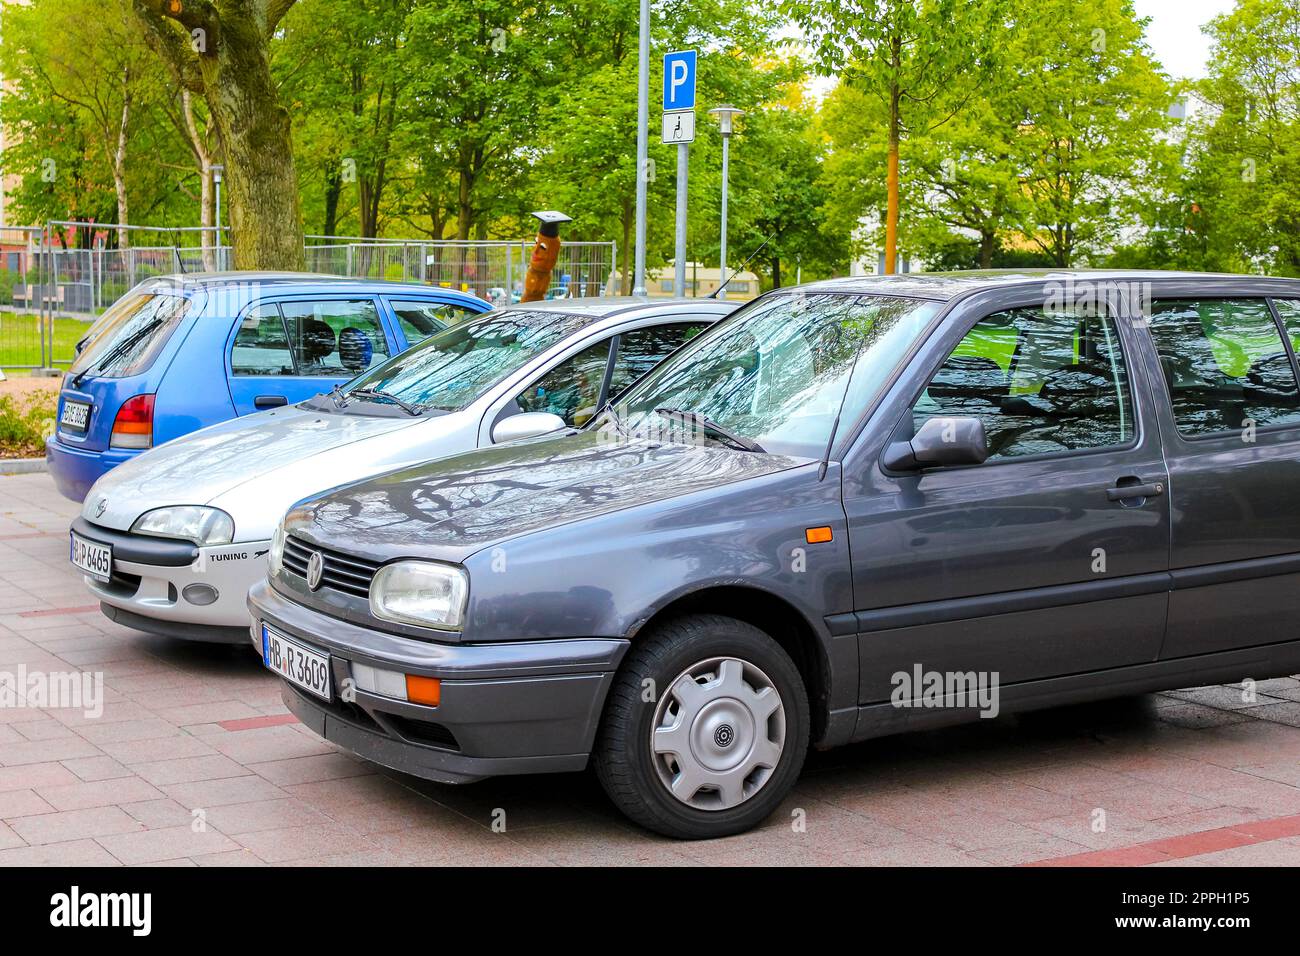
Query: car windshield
x: 450, y: 369
x: 128, y: 337
x: 774, y: 377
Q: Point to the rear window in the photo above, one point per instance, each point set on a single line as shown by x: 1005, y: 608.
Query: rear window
x: 128, y: 337
x: 1225, y: 365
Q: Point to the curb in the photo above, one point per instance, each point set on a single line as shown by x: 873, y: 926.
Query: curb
x: 22, y: 466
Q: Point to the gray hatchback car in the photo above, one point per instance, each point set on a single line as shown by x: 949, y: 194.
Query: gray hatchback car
x: 853, y: 508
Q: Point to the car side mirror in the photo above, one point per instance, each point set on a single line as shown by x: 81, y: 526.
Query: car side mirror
x: 526, y: 425
x: 939, y: 442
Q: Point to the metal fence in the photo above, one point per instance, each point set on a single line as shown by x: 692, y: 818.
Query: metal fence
x: 55, y: 280
x: 491, y: 270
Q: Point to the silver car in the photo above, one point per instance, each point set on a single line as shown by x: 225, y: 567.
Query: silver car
x: 171, y: 541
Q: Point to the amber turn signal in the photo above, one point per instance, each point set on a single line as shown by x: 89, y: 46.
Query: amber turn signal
x: 817, y: 535
x: 423, y: 690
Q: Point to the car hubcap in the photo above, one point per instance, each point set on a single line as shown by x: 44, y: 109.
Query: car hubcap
x: 718, y: 733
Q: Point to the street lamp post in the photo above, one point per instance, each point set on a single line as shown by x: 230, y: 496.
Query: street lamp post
x: 726, y: 116
x: 642, y: 145
x: 217, y: 170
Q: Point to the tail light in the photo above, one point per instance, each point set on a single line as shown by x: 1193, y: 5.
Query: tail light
x: 133, y: 427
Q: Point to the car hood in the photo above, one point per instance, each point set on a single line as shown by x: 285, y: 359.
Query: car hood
x: 200, y: 467
x: 454, y: 507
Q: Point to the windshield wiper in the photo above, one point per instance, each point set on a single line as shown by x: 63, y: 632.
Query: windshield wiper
x: 613, y: 416
x: 118, y: 350
x: 337, y: 396
x: 379, y: 394
x: 695, y: 418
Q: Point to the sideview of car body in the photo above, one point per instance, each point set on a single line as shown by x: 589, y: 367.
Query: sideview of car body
x: 178, y: 353
x: 1042, y: 488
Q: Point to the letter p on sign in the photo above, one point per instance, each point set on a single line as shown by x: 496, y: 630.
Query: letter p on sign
x: 679, y: 80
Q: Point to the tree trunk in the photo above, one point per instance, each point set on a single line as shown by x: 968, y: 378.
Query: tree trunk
x: 776, y: 272
x: 222, y: 49
x: 119, y: 163
x: 265, y: 223
x: 987, y: 242
x: 207, y: 206
x: 333, y: 191
x: 464, y: 208
x: 891, y: 174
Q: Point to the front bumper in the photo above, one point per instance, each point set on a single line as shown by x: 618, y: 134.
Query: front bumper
x: 510, y: 708
x: 75, y: 469
x: 148, y: 587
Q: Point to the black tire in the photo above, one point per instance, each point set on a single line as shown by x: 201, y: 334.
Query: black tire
x: 623, y: 760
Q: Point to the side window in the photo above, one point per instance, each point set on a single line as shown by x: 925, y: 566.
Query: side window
x: 1288, y: 310
x: 571, y: 389
x: 419, y: 319
x: 1043, y: 381
x: 336, y: 338
x: 1224, y: 363
x: 641, y: 350
x: 261, y: 346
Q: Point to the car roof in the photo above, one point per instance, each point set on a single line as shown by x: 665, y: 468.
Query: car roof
x: 949, y: 285
x: 594, y: 315
x: 285, y: 280
x: 604, y: 307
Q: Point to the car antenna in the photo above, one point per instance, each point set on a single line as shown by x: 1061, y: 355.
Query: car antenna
x: 180, y: 263
x: 718, y: 291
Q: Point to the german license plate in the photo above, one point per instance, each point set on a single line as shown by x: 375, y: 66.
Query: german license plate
x: 297, y: 664
x: 92, y: 557
x: 75, y: 416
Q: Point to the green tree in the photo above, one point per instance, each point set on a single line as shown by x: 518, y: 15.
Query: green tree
x: 902, y: 54
x: 588, y: 126
x: 1047, y: 159
x: 1094, y: 116
x: 479, y: 72
x: 343, y: 66
x: 1239, y: 207
x: 221, y: 50
x: 87, y: 119
x: 781, y: 192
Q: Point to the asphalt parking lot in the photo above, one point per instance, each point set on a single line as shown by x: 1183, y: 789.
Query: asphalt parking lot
x: 194, y: 760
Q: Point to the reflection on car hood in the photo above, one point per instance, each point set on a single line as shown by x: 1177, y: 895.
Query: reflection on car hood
x: 198, y: 467
x: 453, y: 507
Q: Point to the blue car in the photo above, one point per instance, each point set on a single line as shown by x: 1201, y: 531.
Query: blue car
x: 178, y: 353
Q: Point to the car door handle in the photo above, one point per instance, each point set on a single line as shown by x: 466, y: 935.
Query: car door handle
x: 269, y: 401
x: 1124, y: 492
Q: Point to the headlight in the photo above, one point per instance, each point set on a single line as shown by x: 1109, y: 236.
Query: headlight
x: 203, y: 526
x: 275, y: 558
x: 420, y: 592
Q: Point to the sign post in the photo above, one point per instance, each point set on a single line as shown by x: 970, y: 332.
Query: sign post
x: 679, y: 128
x: 642, y: 143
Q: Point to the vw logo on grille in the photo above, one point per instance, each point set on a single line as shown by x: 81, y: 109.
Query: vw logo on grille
x: 315, y: 568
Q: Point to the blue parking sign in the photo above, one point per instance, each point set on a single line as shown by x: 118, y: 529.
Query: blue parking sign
x: 679, y: 80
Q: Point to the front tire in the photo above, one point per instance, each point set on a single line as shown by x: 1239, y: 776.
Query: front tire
x: 705, y: 729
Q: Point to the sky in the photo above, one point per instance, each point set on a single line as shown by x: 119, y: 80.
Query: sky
x: 1175, y: 36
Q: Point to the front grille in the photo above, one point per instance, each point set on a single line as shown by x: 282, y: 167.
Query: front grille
x: 339, y: 572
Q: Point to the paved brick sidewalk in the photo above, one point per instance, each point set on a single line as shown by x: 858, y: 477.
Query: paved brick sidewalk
x: 192, y: 732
